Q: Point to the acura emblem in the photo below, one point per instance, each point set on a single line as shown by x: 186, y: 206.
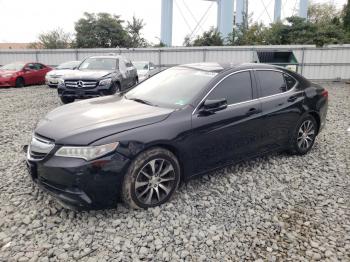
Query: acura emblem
x: 80, y: 84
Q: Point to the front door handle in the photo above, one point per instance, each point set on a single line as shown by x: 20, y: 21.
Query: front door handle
x: 292, y: 98
x: 252, y: 111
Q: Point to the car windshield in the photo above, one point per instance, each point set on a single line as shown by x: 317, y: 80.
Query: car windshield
x: 13, y: 66
x: 99, y: 63
x: 172, y: 88
x: 68, y: 65
x: 141, y: 65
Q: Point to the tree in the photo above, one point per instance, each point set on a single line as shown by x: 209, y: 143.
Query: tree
x: 253, y: 35
x: 212, y: 37
x: 134, y: 29
x: 55, y: 39
x: 346, y: 17
x: 322, y: 13
x: 299, y: 31
x: 101, y: 30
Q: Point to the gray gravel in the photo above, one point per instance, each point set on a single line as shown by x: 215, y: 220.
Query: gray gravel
x: 277, y: 207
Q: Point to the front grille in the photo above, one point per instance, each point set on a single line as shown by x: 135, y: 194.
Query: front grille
x: 39, y: 148
x: 81, y: 83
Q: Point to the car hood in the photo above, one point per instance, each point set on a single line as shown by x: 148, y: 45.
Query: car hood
x: 84, y: 122
x: 3, y: 72
x: 60, y: 72
x: 87, y: 74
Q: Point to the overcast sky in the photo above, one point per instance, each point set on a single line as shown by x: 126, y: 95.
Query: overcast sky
x: 23, y: 20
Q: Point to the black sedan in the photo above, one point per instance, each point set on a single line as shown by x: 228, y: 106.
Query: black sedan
x: 182, y: 122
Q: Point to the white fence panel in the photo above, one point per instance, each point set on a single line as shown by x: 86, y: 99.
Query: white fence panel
x: 331, y: 62
x: 327, y: 72
x: 234, y: 56
x: 181, y: 56
x: 336, y: 55
x: 56, y: 58
x: 9, y: 57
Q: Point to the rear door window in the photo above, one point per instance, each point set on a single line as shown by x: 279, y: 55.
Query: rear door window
x: 235, y: 88
x: 122, y: 66
x: 290, y: 81
x: 39, y: 66
x: 32, y: 66
x: 271, y: 82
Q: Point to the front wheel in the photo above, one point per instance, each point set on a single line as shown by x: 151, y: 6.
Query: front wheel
x: 115, y: 87
x: 20, y: 82
x: 152, y: 179
x: 67, y: 99
x: 304, y: 136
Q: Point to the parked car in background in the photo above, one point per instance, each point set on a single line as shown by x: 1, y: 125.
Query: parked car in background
x: 145, y: 69
x: 97, y: 76
x: 19, y: 74
x: 184, y: 121
x: 52, y: 77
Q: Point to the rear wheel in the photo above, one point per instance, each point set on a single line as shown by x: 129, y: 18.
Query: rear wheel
x: 304, y: 136
x: 67, y: 99
x: 152, y: 179
x: 20, y: 82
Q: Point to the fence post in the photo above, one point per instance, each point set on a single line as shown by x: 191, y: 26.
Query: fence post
x: 302, y: 60
x: 76, y: 54
x: 36, y: 56
x: 159, y: 58
x: 204, y: 54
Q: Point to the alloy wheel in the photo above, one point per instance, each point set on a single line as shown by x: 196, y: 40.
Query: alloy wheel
x: 306, y: 135
x: 155, y: 181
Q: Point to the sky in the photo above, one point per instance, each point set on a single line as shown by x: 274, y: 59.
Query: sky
x: 23, y: 20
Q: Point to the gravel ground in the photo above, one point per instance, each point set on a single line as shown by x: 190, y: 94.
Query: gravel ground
x: 274, y: 208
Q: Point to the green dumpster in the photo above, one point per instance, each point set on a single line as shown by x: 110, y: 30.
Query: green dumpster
x: 281, y: 58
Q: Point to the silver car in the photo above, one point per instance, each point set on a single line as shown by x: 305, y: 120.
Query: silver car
x: 145, y: 69
x: 52, y: 77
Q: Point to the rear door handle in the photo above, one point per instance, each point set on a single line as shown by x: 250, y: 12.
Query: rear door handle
x: 252, y: 111
x: 292, y: 98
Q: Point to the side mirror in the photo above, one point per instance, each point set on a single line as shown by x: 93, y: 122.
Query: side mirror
x: 26, y: 69
x: 152, y: 68
x: 212, y: 106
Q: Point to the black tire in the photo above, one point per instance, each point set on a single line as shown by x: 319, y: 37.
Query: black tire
x: 304, y: 135
x: 161, y: 184
x: 114, y: 88
x: 20, y: 82
x: 67, y: 99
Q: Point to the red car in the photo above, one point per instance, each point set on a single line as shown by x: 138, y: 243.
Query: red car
x: 20, y: 74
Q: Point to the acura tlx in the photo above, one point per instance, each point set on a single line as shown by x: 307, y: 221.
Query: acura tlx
x: 182, y: 122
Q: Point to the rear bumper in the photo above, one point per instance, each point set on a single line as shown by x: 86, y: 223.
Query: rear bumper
x: 78, y: 184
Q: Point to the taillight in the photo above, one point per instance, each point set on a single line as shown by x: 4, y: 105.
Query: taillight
x: 324, y: 93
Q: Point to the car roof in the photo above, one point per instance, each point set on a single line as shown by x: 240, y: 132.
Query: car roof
x: 223, y: 66
x: 107, y: 56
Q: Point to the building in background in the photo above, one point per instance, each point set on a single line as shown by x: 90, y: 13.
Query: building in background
x: 14, y: 45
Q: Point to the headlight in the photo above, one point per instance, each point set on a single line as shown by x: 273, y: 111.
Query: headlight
x: 60, y: 82
x: 105, y: 82
x: 88, y: 152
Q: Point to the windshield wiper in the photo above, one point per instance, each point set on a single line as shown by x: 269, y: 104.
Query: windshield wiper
x: 141, y: 101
